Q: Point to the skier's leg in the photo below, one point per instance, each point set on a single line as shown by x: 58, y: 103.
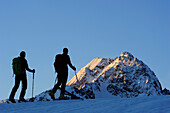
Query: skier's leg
x: 24, y: 87
x: 16, y: 86
x: 64, y: 81
x: 59, y: 76
x: 52, y: 92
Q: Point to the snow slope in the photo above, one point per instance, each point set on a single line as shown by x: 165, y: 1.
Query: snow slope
x: 149, y: 104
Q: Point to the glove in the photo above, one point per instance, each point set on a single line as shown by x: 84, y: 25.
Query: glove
x: 33, y: 70
x: 74, y: 68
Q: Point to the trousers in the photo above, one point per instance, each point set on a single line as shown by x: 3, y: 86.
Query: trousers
x: 62, y: 80
x: 18, y: 79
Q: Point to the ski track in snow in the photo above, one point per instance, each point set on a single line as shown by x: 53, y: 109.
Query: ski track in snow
x: 152, y: 104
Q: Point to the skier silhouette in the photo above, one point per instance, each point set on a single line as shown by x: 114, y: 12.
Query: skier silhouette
x: 19, y: 68
x: 60, y: 65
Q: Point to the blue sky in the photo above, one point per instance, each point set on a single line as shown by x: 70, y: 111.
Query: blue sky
x: 88, y: 28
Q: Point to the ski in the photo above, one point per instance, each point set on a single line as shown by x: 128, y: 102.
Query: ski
x: 73, y: 96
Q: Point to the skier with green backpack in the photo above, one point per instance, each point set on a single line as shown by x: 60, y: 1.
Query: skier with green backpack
x: 20, y: 65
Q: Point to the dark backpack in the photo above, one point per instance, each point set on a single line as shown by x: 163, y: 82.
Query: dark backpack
x: 58, y: 63
x: 17, y: 66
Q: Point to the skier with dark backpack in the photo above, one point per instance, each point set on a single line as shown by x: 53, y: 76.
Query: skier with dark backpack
x: 60, y: 65
x: 20, y: 65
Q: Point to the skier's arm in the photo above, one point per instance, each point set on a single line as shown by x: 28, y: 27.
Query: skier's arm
x: 69, y: 63
x: 27, y: 68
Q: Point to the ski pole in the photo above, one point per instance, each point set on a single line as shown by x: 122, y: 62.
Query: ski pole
x: 76, y: 77
x: 33, y: 85
x: 55, y: 80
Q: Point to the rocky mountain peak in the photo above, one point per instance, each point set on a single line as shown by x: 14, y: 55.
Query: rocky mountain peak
x: 127, y: 55
x: 124, y: 76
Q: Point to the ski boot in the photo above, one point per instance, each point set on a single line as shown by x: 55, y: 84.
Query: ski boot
x: 62, y: 97
x: 52, y: 95
x: 22, y: 100
x: 12, y: 100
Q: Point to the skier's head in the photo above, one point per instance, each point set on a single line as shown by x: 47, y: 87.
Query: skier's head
x: 65, y: 51
x: 22, y: 54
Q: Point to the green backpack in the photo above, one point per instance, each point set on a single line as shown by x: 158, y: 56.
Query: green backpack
x: 17, y: 66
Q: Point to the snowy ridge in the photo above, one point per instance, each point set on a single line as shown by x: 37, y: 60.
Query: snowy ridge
x: 88, y: 73
x: 125, y: 76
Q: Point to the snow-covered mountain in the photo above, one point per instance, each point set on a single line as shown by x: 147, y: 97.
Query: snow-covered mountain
x: 124, y: 76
